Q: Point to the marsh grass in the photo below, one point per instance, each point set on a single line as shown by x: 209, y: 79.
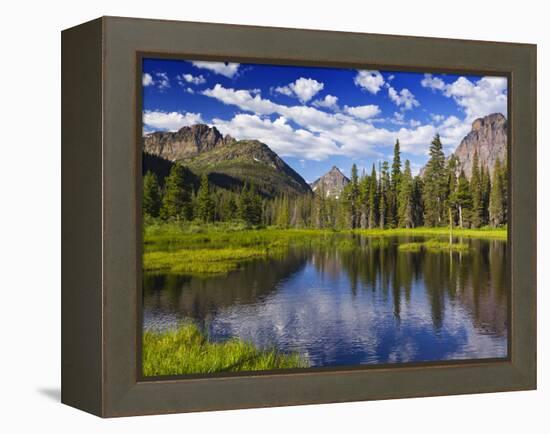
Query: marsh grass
x: 186, y: 350
x: 206, y: 249
x: 434, y: 246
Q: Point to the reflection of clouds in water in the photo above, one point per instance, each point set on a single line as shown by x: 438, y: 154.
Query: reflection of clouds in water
x: 325, y: 322
x: 339, y: 308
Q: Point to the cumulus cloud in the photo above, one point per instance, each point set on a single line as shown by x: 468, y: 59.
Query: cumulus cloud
x: 228, y: 70
x: 192, y: 79
x: 304, y: 89
x: 346, y: 134
x: 156, y: 120
x: 363, y: 111
x: 477, y: 98
x: 280, y: 136
x: 487, y: 95
x: 371, y: 81
x: 431, y: 82
x: 147, y: 80
x: 329, y: 101
x: 404, y: 98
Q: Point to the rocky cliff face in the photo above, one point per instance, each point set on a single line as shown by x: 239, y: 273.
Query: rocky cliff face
x: 184, y: 143
x: 331, y: 183
x: 229, y: 163
x: 489, y: 138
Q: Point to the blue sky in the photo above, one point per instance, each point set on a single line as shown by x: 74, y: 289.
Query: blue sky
x: 315, y: 118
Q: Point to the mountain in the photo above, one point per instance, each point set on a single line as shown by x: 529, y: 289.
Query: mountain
x: 489, y: 138
x: 229, y: 163
x: 184, y: 143
x: 332, y: 183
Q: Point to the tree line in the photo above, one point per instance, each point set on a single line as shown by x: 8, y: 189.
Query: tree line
x: 388, y: 198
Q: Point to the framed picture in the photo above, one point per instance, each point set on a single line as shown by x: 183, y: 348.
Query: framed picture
x: 259, y: 216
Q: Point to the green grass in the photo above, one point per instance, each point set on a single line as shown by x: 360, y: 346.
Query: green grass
x: 186, y: 350
x: 434, y: 246
x: 198, y: 249
x: 485, y: 232
x: 410, y: 247
x: 200, y: 261
x: 444, y: 246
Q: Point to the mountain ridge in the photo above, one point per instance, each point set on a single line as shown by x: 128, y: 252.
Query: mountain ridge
x: 229, y: 163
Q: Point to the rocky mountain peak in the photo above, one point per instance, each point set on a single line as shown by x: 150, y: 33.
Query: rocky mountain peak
x: 331, y: 183
x: 488, y: 138
x: 184, y: 143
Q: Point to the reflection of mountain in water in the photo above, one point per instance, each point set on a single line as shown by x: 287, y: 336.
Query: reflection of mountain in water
x: 365, y: 302
x: 200, y: 298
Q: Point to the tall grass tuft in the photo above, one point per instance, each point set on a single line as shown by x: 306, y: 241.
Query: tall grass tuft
x: 186, y: 350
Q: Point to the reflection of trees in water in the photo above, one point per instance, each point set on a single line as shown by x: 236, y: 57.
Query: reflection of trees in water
x: 476, y: 280
x: 200, y: 298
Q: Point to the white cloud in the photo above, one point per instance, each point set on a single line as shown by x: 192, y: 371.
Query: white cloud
x: 414, y: 123
x: 321, y: 134
x: 193, y: 79
x: 279, y: 135
x: 189, y: 90
x: 162, y: 81
x: 431, y: 82
x: 147, y: 80
x: 369, y: 80
x: 487, y: 95
x: 329, y: 101
x: 477, y: 99
x: 169, y: 121
x: 363, y: 112
x: 223, y: 68
x: 304, y: 89
x: 404, y: 98
x: 437, y: 118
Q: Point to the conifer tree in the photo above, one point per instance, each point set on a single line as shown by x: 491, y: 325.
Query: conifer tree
x: 176, y: 202
x: 477, y: 194
x: 151, y: 195
x: 461, y: 198
x: 352, y: 198
x: 383, y: 195
x: 496, y: 206
x: 405, y: 208
x: 373, y: 199
x: 205, y: 204
x: 435, y: 185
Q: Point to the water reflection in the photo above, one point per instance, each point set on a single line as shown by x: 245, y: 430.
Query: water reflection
x: 362, y: 303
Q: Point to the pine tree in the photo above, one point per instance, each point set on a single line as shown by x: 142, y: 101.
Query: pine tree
x: 373, y: 199
x: 418, y: 204
x: 205, y: 204
x: 383, y: 195
x: 496, y: 205
x: 405, y: 207
x: 461, y: 198
x: 151, y: 195
x: 283, y: 212
x: 435, y: 185
x: 320, y: 206
x: 396, y: 167
x: 477, y: 194
x: 176, y: 202
x: 485, y: 193
x: 250, y: 206
x: 352, y: 198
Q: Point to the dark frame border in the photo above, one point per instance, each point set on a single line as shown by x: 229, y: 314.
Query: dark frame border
x: 100, y: 238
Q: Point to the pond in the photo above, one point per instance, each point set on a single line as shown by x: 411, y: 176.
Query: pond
x: 361, y: 302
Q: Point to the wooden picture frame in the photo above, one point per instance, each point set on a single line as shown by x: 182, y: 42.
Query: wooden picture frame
x: 101, y: 217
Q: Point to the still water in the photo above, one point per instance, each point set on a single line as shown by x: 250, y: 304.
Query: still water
x: 366, y: 304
